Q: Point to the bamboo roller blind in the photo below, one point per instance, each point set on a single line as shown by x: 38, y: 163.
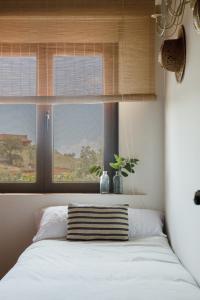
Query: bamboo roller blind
x: 112, y: 41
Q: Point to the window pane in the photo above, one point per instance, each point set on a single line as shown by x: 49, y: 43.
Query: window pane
x: 17, y: 143
x: 17, y: 76
x: 78, y: 141
x: 78, y: 75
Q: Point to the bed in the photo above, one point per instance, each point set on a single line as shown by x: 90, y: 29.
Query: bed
x: 140, y: 269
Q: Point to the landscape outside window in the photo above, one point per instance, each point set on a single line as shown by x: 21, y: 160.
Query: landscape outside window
x: 78, y: 141
x: 18, y: 143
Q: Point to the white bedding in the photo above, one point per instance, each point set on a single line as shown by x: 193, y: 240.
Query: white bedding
x: 135, y: 270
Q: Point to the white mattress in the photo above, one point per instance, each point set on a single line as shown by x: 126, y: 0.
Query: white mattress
x: 60, y: 270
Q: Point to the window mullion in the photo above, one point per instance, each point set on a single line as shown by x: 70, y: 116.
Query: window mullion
x: 110, y: 135
x: 41, y: 147
x: 47, y: 146
x: 44, y: 88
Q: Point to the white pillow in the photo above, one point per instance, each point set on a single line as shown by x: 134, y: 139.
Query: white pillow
x: 145, y: 222
x: 142, y: 223
x: 53, y: 224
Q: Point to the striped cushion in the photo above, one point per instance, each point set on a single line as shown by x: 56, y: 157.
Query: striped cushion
x: 86, y: 223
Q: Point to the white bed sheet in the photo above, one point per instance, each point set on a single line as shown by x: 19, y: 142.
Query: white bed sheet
x: 61, y: 270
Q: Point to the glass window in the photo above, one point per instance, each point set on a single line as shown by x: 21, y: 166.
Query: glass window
x: 18, y: 143
x: 82, y: 134
x: 78, y: 141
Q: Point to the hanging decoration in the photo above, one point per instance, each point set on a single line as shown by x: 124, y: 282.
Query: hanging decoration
x: 169, y: 15
x: 172, y: 56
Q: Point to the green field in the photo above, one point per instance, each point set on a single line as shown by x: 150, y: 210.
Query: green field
x: 18, y: 163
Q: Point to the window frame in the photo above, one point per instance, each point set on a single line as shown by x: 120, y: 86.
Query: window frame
x: 44, y: 137
x: 44, y: 162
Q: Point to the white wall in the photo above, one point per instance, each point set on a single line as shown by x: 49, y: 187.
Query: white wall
x: 183, y: 155
x: 141, y: 134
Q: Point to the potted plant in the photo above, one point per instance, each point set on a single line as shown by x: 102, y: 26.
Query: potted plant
x: 122, y: 166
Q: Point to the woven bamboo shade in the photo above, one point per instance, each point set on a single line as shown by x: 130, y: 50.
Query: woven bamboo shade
x: 80, y: 50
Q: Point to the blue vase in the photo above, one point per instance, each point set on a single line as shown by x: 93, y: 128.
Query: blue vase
x: 118, y: 183
x: 104, y: 183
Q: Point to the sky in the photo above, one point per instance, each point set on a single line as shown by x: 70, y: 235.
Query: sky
x: 74, y: 125
x: 18, y: 119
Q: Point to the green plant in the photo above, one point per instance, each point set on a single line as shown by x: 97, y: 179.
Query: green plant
x: 96, y: 169
x: 124, y: 165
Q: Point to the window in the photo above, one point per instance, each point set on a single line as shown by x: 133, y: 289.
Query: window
x: 18, y: 144
x: 58, y: 52
x: 50, y: 148
x: 78, y: 141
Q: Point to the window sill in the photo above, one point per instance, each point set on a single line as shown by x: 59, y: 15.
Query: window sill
x: 76, y: 194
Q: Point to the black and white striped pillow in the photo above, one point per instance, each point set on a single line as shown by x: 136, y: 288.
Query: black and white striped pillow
x: 87, y: 223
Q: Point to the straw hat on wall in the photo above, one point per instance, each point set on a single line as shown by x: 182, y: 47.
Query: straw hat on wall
x: 172, y: 56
